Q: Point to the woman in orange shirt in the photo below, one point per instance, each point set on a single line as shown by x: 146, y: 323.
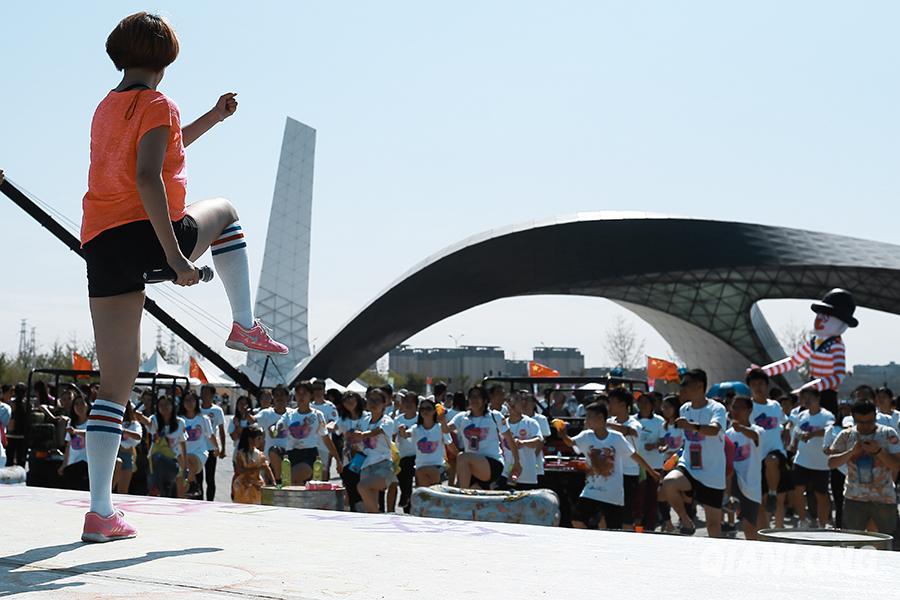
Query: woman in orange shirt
x: 135, y: 220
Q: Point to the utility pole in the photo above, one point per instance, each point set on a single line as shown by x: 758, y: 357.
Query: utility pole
x: 23, y: 339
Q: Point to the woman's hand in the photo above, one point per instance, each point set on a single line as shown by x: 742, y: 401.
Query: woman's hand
x: 187, y: 274
x: 226, y: 106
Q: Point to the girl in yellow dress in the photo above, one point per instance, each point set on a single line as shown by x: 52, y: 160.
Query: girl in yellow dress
x: 250, y: 466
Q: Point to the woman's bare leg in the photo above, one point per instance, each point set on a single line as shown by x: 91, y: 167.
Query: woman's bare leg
x: 117, y: 334
x: 212, y: 217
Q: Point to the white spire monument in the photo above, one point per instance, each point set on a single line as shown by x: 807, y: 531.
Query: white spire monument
x: 283, y: 295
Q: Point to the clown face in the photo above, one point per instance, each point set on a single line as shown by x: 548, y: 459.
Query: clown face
x: 827, y: 326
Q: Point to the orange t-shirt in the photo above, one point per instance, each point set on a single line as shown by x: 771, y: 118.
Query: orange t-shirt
x: 119, y: 122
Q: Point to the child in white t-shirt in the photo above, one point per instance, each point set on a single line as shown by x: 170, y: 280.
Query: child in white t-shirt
x: 375, y: 433
x: 530, y: 410
x: 650, y: 438
x: 276, y: 439
x: 427, y: 436
x: 351, y: 412
x: 810, y: 461
x: 74, y: 469
x: 168, y: 454
x: 406, y: 417
x: 200, y: 439
x: 624, y: 422
x: 306, y: 429
x: 603, y: 496
x: 526, y: 433
x: 746, y: 479
x: 132, y: 433
x: 480, y: 430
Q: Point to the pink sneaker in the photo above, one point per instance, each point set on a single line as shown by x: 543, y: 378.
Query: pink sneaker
x: 257, y: 338
x: 113, y: 527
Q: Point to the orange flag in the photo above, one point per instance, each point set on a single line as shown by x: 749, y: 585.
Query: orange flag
x: 658, y: 368
x: 536, y: 369
x: 80, y: 363
x: 197, y: 372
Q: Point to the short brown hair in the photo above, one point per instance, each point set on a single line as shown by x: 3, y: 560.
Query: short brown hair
x: 144, y: 41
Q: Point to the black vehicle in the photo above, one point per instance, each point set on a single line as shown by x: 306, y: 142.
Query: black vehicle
x: 44, y: 441
x: 564, y: 470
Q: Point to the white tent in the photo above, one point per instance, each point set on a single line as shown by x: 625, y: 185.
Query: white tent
x: 157, y: 364
x: 595, y: 387
x: 353, y: 386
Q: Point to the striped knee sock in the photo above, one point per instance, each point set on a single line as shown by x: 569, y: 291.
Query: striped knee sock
x: 104, y: 433
x: 229, y: 253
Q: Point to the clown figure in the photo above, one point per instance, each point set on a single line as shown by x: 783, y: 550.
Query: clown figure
x: 825, y: 350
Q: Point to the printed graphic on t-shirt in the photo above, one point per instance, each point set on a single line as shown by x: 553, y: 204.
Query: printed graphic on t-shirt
x: 300, y: 429
x: 603, y: 461
x: 426, y: 447
x: 694, y: 436
x: 193, y: 433
x: 77, y: 442
x: 370, y: 443
x: 475, y: 435
x: 766, y: 421
x: 673, y: 439
x: 742, y: 451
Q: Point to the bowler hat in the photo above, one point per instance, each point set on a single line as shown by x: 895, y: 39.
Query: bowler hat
x: 838, y: 303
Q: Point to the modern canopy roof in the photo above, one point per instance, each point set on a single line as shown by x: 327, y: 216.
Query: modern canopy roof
x: 696, y: 281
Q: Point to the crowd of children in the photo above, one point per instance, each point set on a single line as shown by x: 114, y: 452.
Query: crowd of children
x: 649, y: 460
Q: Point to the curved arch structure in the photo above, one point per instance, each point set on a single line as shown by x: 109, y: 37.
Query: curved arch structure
x: 696, y: 281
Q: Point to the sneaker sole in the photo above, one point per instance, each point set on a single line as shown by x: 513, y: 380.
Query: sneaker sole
x: 99, y: 538
x: 244, y: 348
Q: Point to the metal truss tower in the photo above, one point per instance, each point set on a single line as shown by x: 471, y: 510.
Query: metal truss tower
x: 283, y: 294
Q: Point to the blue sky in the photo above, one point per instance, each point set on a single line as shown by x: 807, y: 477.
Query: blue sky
x: 438, y: 121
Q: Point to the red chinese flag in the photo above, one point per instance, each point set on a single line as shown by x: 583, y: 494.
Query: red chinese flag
x: 197, y: 372
x: 658, y: 368
x: 80, y: 363
x: 536, y: 369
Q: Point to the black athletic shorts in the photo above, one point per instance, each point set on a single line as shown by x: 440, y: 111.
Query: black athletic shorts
x: 785, y: 481
x: 702, y: 494
x: 496, y: 472
x: 117, y: 258
x: 804, y: 477
x: 306, y: 456
x: 590, y: 512
x: 749, y: 508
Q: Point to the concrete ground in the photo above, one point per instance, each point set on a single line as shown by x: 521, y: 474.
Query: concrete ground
x: 189, y: 549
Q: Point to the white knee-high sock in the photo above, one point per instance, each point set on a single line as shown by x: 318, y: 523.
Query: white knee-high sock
x: 104, y: 433
x: 229, y: 253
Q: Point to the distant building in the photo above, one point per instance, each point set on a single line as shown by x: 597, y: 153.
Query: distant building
x: 568, y: 361
x: 459, y: 367
x: 874, y: 375
x: 516, y: 368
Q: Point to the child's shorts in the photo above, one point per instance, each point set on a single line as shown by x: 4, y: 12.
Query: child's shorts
x: 127, y: 456
x: 590, y: 512
x: 382, y: 470
x: 117, y: 258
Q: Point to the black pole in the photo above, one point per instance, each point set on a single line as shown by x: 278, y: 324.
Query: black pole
x: 74, y: 244
x: 262, y: 377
